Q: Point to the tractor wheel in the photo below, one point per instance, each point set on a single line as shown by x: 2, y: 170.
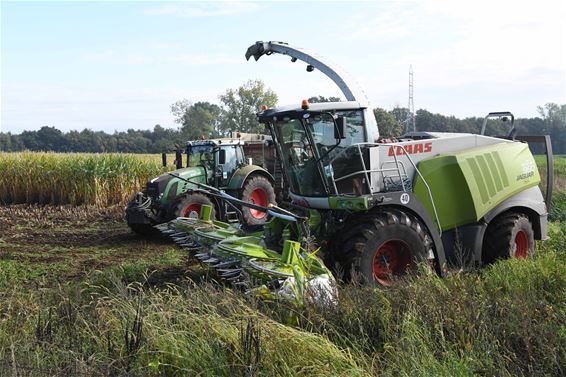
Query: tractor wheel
x: 188, y: 205
x: 257, y: 190
x: 386, y: 246
x: 510, y: 235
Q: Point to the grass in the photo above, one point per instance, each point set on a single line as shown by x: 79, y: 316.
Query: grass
x: 558, y: 206
x: 80, y: 295
x: 145, y: 310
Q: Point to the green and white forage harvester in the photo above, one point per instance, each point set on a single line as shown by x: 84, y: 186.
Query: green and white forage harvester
x: 377, y: 209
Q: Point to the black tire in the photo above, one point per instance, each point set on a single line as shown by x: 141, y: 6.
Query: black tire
x: 187, y: 203
x: 141, y: 229
x: 510, y: 235
x: 258, y: 190
x: 388, y: 244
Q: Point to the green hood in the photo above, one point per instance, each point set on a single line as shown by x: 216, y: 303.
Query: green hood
x: 171, y: 187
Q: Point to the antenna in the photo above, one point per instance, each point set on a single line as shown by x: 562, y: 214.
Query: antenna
x: 411, y: 113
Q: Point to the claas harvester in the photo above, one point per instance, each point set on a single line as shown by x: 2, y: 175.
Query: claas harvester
x: 360, y: 206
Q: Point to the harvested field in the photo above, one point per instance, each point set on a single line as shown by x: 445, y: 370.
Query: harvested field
x: 62, y: 244
x: 82, y: 296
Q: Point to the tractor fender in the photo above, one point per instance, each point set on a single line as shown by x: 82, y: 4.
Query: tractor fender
x: 408, y: 201
x: 531, y: 203
x: 239, y: 177
x: 470, y: 237
x: 173, y: 186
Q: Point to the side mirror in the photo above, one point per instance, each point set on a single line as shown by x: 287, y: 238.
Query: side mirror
x: 221, y: 156
x: 164, y: 159
x: 340, y: 128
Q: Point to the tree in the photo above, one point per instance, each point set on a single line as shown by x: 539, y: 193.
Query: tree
x: 319, y: 99
x: 400, y: 114
x: 198, y: 119
x: 204, y: 118
x: 387, y: 124
x: 51, y: 139
x: 554, y: 118
x: 239, y: 107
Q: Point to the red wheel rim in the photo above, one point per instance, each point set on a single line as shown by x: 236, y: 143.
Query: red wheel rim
x: 392, y: 258
x: 521, y: 245
x: 259, y: 197
x: 191, y: 208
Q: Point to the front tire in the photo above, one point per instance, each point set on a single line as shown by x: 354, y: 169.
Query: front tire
x: 189, y: 205
x: 257, y: 190
x: 385, y: 247
x: 510, y: 235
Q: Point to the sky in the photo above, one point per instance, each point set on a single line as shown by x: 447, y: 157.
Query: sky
x: 113, y: 66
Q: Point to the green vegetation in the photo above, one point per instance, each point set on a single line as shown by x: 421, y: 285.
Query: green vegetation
x: 558, y: 205
x: 237, y: 111
x: 51, y: 178
x: 82, y: 296
x: 106, y: 179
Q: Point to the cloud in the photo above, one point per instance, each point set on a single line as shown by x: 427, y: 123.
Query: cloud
x: 208, y: 9
x: 456, y: 46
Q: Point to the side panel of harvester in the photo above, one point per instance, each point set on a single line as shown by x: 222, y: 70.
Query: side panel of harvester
x: 466, y: 185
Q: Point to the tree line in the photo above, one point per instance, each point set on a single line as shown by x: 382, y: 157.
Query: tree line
x: 237, y: 111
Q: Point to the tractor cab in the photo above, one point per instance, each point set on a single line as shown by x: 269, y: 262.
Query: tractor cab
x: 243, y: 165
x: 219, y: 158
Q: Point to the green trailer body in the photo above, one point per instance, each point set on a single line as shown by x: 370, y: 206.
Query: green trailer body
x: 484, y: 177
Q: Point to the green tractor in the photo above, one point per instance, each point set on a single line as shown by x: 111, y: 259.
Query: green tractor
x: 375, y: 209
x: 224, y: 163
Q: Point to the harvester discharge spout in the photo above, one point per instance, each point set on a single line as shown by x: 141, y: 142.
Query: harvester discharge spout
x: 351, y: 90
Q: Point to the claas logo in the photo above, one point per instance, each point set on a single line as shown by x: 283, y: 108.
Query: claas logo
x: 411, y: 149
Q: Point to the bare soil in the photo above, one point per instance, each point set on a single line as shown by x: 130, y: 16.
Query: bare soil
x: 74, y: 241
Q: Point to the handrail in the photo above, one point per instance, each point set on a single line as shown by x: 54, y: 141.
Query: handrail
x: 365, y: 171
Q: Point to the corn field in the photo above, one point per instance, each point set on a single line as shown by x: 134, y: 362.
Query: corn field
x: 108, y: 178
x: 74, y: 178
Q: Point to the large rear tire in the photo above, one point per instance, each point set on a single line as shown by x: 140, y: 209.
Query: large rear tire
x: 188, y: 205
x: 387, y: 245
x: 510, y: 235
x: 257, y: 190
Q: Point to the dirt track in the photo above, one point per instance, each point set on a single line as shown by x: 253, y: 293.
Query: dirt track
x: 69, y: 242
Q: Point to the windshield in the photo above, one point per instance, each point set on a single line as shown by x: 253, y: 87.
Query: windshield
x: 308, y: 146
x: 322, y: 128
x: 201, y: 154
